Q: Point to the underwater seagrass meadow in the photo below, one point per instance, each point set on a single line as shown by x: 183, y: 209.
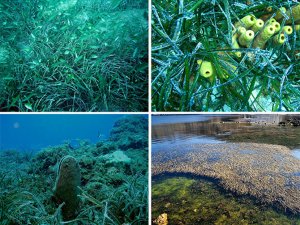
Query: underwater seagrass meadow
x: 73, y: 55
x: 226, y: 169
x: 225, y: 56
x: 103, y: 180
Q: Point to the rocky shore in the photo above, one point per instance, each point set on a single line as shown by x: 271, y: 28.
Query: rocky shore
x: 268, y: 172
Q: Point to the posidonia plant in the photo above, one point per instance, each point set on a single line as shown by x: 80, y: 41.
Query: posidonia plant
x: 73, y: 55
x: 204, y: 61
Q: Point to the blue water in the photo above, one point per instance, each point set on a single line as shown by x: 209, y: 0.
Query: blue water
x: 182, y: 139
x: 161, y: 119
x: 296, y: 153
x: 33, y: 132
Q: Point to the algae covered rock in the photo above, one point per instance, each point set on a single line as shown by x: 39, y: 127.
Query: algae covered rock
x: 104, y: 147
x: 118, y: 157
x: 45, y: 160
x: 130, y: 132
x: 66, y: 188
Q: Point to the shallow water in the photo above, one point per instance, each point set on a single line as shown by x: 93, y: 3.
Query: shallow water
x: 214, y: 127
x: 194, y: 200
x: 182, y: 140
x: 177, y: 195
x: 296, y: 153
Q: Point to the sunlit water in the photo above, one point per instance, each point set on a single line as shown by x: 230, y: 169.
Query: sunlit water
x: 183, y: 139
x: 207, y: 129
x: 296, y: 153
x: 224, y: 207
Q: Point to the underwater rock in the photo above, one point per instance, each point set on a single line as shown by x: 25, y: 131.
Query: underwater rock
x: 66, y: 188
x: 267, y: 172
x: 104, y: 147
x: 118, y: 157
x: 130, y: 132
x: 87, y: 165
x: 162, y: 219
x: 45, y: 161
x: 87, y: 162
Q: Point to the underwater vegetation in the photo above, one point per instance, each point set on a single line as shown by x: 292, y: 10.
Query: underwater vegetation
x: 112, y: 178
x: 225, y: 55
x: 267, y: 172
x: 73, y: 55
x: 202, y: 201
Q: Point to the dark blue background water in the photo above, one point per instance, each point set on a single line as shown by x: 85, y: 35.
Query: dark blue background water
x: 33, y: 132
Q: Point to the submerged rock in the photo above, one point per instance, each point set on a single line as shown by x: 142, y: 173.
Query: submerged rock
x: 45, y: 160
x: 118, y: 156
x: 130, y: 132
x: 66, y: 188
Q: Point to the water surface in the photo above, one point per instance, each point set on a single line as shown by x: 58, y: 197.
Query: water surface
x: 194, y: 200
x: 224, y: 128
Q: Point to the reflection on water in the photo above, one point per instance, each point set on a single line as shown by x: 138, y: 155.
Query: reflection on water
x: 296, y: 153
x: 167, y: 119
x: 179, y: 139
x: 226, y: 131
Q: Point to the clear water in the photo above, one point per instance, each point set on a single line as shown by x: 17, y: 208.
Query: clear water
x: 182, y: 140
x: 33, y: 132
x: 211, y: 127
x: 167, y: 119
x: 195, y: 200
x: 296, y: 153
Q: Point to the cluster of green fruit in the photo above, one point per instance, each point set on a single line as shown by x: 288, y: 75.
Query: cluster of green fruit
x: 251, y: 32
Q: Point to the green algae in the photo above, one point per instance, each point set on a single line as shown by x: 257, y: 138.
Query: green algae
x: 190, y: 200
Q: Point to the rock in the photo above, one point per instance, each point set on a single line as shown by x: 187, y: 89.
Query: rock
x: 45, y: 160
x: 130, y: 132
x: 66, y: 187
x: 167, y: 205
x: 118, y: 157
x: 162, y: 219
x: 104, y: 147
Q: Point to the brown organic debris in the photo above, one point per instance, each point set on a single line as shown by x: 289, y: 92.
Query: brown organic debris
x: 268, y: 172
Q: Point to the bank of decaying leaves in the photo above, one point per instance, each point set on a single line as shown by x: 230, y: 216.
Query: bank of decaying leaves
x: 268, y: 172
